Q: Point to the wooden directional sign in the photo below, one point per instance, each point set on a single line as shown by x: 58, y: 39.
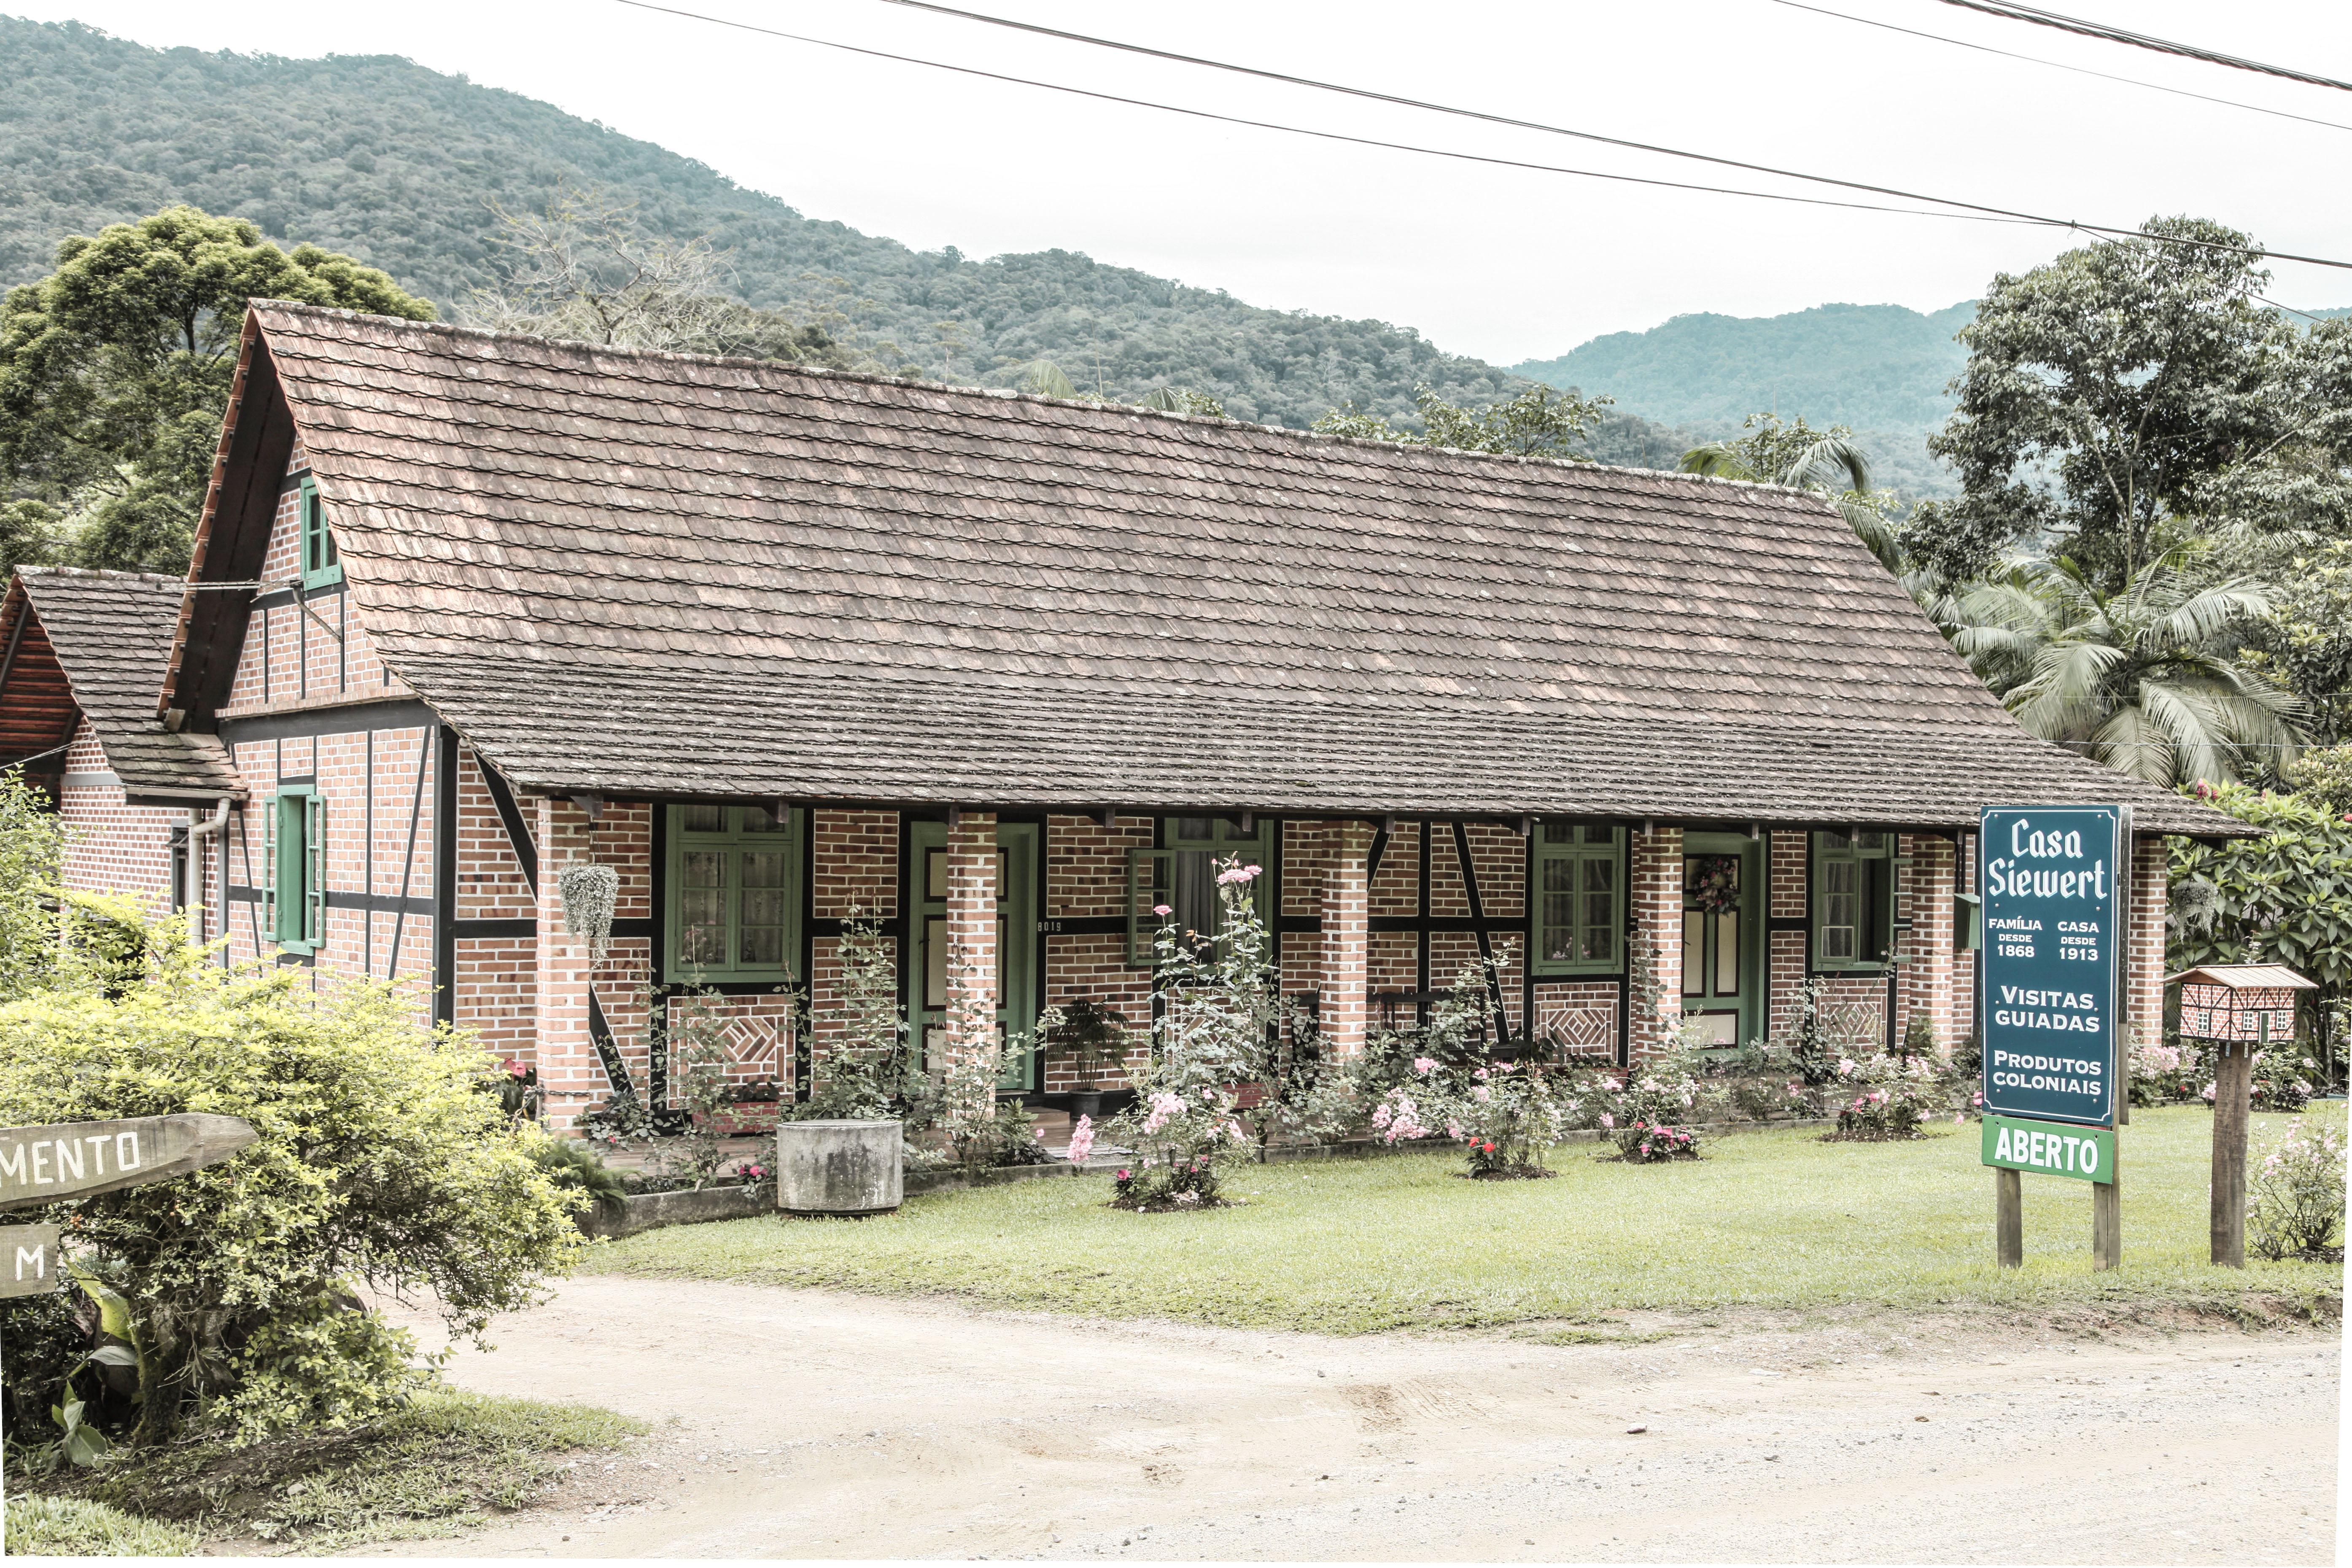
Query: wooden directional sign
x: 29, y: 1264
x: 81, y: 1159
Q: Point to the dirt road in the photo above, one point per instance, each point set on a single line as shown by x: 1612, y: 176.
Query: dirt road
x: 806, y: 1424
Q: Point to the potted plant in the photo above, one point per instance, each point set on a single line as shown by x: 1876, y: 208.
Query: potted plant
x: 1091, y: 1038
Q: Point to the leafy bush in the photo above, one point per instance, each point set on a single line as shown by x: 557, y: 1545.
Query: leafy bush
x: 2298, y: 1198
x: 1221, y: 1013
x: 574, y: 1167
x: 2163, y: 1075
x: 378, y: 1161
x: 1879, y: 1098
x: 78, y: 1527
x: 2323, y: 779
x: 2283, y: 898
x: 1646, y: 1110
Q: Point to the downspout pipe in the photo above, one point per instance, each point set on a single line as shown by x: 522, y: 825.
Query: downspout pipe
x: 199, y: 829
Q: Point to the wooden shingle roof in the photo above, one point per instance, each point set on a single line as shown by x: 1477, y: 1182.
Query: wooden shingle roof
x: 108, y: 635
x: 655, y: 574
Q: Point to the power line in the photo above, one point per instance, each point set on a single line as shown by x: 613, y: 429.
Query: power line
x: 2060, y: 65
x: 1966, y: 209
x: 1989, y: 216
x: 2100, y: 30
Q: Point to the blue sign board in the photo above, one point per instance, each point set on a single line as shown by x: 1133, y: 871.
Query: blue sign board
x: 2055, y: 883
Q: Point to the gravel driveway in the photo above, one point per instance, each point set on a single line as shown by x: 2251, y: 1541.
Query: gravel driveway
x: 807, y: 1424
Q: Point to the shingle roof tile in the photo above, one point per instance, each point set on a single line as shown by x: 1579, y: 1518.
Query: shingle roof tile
x: 645, y: 572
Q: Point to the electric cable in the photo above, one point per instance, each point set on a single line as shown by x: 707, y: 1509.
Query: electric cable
x: 2061, y: 65
x: 1977, y: 211
x: 2102, y: 31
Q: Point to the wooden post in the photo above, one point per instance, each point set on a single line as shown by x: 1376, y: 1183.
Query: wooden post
x: 2009, y: 1218
x: 2232, y: 1092
x: 2107, y: 1217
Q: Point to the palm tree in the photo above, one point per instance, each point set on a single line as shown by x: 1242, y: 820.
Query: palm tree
x: 1826, y: 462
x: 2142, y: 680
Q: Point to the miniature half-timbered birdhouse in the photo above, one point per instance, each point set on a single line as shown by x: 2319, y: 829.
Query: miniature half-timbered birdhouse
x: 2234, y: 1002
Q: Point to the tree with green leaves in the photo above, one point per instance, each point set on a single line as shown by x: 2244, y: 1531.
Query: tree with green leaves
x: 1540, y: 422
x: 384, y: 1167
x: 2143, y: 679
x: 1826, y: 462
x: 115, y: 370
x: 2131, y: 394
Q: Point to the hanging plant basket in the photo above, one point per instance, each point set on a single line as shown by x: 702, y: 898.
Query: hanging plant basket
x: 588, y: 893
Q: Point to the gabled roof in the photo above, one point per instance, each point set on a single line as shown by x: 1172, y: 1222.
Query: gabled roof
x: 2245, y: 977
x: 656, y: 573
x: 97, y: 643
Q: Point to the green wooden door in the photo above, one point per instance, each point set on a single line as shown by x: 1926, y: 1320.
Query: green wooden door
x: 1016, y: 939
x: 1723, y: 936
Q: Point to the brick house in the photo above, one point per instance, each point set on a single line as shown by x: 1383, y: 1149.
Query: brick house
x: 1003, y: 673
x: 85, y: 654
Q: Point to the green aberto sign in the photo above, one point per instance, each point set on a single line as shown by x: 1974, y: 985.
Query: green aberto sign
x: 2056, y: 884
x: 2085, y: 1153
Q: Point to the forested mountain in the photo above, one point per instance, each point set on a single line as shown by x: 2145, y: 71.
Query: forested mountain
x: 397, y: 165
x: 1874, y: 367
x: 1881, y: 369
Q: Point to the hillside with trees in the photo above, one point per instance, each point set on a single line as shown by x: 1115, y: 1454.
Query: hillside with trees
x: 399, y: 168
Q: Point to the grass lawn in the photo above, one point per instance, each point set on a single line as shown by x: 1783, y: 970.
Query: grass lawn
x: 1768, y: 1220
x: 425, y: 1471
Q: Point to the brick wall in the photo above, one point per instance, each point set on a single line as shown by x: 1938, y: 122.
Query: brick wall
x: 1343, y: 975
x: 379, y: 834
x: 1086, y: 879
x: 112, y: 847
x: 2143, y: 957
x: 1580, y: 1015
x: 309, y: 651
x: 1926, y: 901
x: 1656, y: 888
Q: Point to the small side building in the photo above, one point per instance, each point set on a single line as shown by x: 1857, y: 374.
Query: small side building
x: 85, y: 655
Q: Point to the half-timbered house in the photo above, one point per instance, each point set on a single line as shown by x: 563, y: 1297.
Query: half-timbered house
x: 1006, y: 673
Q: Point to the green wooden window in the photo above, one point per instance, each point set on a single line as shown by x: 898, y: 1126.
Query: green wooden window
x: 294, y: 868
x: 1854, y: 900
x: 322, y: 564
x: 733, y: 909
x: 1579, y: 898
x: 1183, y: 877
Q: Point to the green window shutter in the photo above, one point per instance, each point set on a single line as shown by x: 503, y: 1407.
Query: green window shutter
x: 322, y: 562
x: 269, y: 867
x: 1968, y: 922
x: 314, y: 871
x: 1149, y: 881
x: 1577, y: 899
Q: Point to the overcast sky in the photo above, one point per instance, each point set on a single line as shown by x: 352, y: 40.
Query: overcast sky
x: 1503, y: 264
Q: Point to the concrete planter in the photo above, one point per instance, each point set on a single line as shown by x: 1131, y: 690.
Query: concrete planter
x: 839, y: 1167
x: 616, y: 1218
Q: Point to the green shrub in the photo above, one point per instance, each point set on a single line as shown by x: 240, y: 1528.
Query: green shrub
x: 377, y: 1163
x: 78, y: 1527
x: 2298, y: 1195
x: 2324, y: 778
x: 575, y: 1167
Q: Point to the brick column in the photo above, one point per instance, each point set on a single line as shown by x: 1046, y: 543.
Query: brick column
x: 1926, y: 957
x: 1344, y: 976
x: 568, y: 1068
x: 1656, y: 895
x: 972, y: 936
x: 2143, y: 977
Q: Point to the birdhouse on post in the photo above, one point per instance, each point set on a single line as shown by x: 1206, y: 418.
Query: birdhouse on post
x: 2242, y: 1008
